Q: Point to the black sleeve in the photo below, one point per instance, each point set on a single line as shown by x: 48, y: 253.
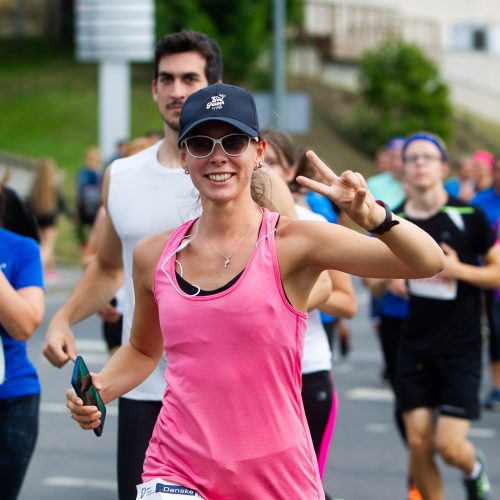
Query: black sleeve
x: 15, y: 215
x: 484, y: 237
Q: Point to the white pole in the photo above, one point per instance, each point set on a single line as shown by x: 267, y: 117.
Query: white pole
x: 279, y: 62
x: 114, y: 105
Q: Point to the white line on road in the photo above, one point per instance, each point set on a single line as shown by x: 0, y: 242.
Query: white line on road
x: 474, y: 432
x: 482, y: 433
x: 111, y: 411
x: 91, y: 345
x: 80, y: 482
x: 343, y: 368
x: 370, y: 394
x: 376, y: 428
x: 90, y: 358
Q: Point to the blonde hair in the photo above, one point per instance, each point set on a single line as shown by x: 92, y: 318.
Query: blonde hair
x: 136, y: 145
x: 43, y: 197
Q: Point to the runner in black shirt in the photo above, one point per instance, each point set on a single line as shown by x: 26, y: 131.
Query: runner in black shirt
x: 439, y: 363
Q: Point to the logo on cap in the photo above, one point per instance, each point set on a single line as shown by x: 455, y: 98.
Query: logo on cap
x: 217, y: 102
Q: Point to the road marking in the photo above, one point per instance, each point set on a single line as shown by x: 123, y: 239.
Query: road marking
x: 343, y: 368
x: 111, y: 411
x: 474, y: 432
x: 482, y: 433
x: 370, y: 394
x: 80, y: 482
x: 376, y: 428
x: 93, y: 351
x: 91, y: 345
x: 90, y: 358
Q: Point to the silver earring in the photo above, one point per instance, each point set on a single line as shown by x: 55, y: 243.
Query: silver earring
x: 186, y: 171
x: 259, y: 165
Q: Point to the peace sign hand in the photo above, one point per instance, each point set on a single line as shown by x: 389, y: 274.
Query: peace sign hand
x: 349, y: 192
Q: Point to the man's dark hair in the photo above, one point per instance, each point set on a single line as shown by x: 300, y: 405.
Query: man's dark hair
x: 192, y: 41
x: 14, y: 214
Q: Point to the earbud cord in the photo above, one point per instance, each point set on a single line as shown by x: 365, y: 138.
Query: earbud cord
x: 181, y: 247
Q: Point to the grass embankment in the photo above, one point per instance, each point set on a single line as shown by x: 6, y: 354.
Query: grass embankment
x: 49, y: 108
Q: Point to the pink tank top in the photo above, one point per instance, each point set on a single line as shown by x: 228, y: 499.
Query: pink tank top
x: 232, y: 424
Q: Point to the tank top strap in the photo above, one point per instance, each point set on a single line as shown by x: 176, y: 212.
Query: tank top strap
x: 166, y: 262
x: 175, y: 240
x: 266, y: 256
x: 268, y: 228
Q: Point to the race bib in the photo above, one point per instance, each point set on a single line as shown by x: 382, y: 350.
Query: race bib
x: 435, y: 287
x: 159, y: 489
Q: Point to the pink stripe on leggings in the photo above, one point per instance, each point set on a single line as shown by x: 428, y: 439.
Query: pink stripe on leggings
x: 327, y: 436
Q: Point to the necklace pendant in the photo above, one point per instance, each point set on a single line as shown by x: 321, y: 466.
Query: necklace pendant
x: 227, y: 262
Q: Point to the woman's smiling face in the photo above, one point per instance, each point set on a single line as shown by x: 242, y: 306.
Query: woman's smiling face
x: 220, y: 176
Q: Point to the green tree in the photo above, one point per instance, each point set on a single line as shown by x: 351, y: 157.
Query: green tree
x: 242, y: 28
x: 402, y: 92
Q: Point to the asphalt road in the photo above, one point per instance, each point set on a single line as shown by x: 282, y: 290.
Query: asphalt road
x: 367, y: 460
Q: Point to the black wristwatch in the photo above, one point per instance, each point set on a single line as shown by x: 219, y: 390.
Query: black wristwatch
x: 388, y: 221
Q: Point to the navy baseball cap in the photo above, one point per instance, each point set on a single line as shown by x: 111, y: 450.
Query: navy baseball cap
x: 219, y: 102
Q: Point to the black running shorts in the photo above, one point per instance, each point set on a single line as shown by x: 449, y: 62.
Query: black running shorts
x: 450, y: 384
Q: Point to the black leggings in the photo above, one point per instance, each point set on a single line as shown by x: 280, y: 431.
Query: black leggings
x: 136, y: 420
x: 318, y: 400
x: 18, y: 435
x: 390, y: 334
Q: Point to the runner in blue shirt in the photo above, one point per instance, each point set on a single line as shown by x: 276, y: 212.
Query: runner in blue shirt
x: 22, y: 306
x: 489, y: 201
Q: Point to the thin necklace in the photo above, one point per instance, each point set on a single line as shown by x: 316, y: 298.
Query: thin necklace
x: 227, y: 258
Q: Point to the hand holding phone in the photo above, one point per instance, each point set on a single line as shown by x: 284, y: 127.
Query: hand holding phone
x: 82, y: 383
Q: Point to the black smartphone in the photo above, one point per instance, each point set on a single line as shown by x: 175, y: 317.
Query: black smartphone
x: 82, y: 383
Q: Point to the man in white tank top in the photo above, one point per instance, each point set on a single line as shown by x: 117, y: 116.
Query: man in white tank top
x: 144, y: 194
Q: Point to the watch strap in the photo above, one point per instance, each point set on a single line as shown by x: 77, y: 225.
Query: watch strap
x: 388, y: 223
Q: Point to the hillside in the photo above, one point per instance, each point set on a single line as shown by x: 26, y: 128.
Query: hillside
x: 49, y: 108
x: 332, y: 105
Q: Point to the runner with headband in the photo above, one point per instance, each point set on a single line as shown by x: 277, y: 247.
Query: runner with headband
x: 439, y: 361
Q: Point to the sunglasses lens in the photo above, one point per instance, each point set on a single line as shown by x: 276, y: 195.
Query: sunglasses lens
x: 235, y: 144
x: 199, y: 146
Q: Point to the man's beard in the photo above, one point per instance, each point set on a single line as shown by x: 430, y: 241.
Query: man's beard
x: 172, y: 124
